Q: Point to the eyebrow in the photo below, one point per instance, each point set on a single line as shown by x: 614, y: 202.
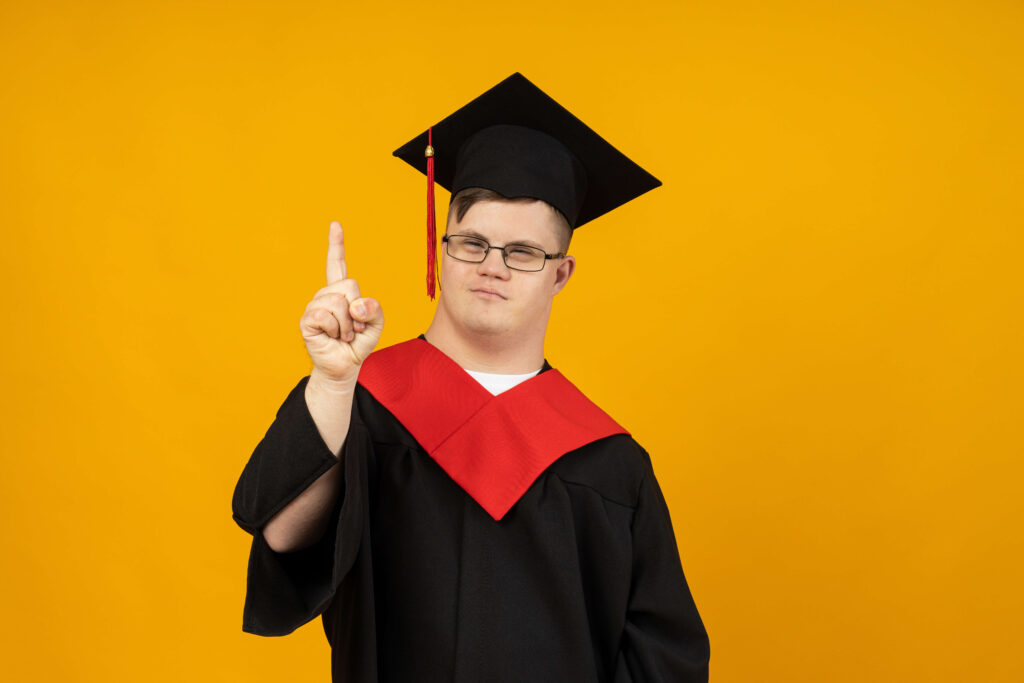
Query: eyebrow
x: 526, y: 243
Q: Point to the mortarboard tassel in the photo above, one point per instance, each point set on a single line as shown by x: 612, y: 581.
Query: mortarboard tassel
x: 431, y: 229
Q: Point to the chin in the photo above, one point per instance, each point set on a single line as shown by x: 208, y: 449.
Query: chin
x: 485, y: 327
x: 479, y: 317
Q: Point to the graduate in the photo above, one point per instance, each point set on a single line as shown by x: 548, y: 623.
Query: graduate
x: 452, y: 507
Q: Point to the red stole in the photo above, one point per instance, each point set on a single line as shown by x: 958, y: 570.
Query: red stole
x: 494, y: 447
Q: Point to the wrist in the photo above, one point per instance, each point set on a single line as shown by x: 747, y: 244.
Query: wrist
x: 328, y: 387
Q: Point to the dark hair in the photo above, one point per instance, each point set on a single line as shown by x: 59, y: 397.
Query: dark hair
x: 465, y: 199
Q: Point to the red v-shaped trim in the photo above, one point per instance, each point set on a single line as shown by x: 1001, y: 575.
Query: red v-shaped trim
x: 494, y: 447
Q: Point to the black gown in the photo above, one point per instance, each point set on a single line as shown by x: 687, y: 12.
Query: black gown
x: 580, y: 581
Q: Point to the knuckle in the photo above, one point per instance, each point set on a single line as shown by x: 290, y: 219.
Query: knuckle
x: 331, y: 300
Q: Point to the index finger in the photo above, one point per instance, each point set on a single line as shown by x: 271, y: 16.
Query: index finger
x: 336, y: 270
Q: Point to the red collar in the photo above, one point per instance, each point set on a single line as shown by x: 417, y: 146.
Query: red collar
x: 494, y: 447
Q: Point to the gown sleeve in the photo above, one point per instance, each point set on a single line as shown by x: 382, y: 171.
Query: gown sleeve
x: 286, y: 590
x: 664, y: 638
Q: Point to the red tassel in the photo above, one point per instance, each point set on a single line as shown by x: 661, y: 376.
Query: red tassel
x: 431, y: 229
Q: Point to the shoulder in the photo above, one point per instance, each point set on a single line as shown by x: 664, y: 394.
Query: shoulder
x: 614, y: 467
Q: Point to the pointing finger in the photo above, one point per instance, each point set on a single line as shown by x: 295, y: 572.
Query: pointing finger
x: 336, y: 270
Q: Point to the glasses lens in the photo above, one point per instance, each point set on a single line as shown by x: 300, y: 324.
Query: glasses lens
x: 521, y: 257
x: 467, y: 248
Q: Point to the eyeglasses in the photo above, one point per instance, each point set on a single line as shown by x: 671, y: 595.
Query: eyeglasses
x: 516, y: 256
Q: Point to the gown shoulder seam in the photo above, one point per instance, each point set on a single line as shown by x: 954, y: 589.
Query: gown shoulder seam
x: 599, y: 493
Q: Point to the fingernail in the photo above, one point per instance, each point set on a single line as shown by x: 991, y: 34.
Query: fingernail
x: 360, y: 309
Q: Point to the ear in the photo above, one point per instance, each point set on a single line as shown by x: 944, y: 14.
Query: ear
x: 563, y: 272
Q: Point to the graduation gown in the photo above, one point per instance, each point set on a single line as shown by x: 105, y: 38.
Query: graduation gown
x: 579, y: 579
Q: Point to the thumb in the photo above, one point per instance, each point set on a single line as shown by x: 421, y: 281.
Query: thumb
x: 367, y: 310
x: 367, y: 314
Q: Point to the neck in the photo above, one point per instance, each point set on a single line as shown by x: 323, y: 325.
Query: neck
x: 507, y: 354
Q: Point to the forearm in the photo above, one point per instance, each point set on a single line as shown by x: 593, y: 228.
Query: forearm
x: 330, y: 405
x: 304, y: 520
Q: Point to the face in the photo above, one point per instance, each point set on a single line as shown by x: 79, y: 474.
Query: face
x: 489, y: 298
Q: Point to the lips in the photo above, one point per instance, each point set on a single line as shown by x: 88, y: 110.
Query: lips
x: 488, y: 293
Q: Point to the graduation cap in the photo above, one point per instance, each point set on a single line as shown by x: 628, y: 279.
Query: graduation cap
x: 517, y: 141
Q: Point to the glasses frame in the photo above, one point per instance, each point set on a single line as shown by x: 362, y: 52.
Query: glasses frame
x: 504, y: 253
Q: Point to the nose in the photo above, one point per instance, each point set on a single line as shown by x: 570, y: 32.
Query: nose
x: 494, y: 264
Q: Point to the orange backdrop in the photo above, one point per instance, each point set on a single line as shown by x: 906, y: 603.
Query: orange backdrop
x: 814, y: 326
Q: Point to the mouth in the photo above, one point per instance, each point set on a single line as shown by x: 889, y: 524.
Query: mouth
x: 487, y: 293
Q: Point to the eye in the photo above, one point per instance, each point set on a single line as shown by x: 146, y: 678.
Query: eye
x: 473, y: 244
x: 521, y: 253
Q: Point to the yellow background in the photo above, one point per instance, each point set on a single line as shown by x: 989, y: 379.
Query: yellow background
x: 814, y: 326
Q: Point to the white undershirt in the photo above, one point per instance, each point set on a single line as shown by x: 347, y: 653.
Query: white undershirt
x: 496, y: 384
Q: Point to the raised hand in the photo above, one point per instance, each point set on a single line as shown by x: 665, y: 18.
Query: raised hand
x: 340, y: 326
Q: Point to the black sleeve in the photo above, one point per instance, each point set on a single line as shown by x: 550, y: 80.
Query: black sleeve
x: 286, y: 590
x: 664, y: 638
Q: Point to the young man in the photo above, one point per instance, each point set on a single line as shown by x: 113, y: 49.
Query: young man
x: 452, y: 506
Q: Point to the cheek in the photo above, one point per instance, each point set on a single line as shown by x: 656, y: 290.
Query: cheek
x: 538, y: 295
x: 448, y: 269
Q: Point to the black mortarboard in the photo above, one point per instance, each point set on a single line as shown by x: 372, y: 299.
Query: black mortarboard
x: 517, y: 141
